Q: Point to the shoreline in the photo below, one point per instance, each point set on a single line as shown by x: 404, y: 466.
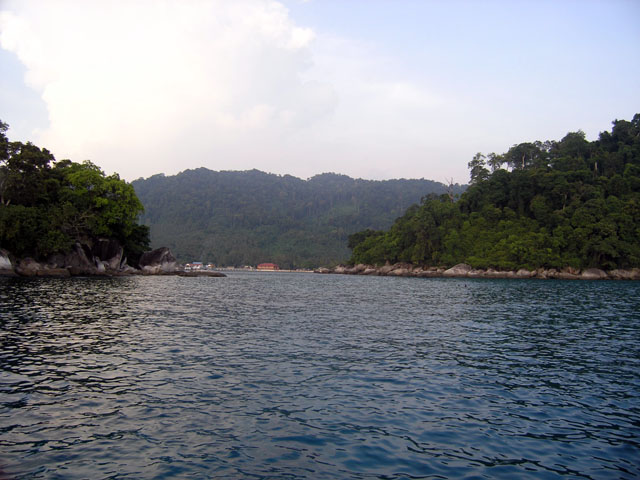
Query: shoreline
x: 466, y: 271
x: 93, y: 261
x: 30, y: 268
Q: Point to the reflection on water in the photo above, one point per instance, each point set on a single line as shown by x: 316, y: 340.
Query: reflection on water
x: 269, y: 375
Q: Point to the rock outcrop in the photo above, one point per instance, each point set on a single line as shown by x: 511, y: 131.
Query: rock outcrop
x: 633, y: 274
x: 6, y: 266
x: 109, y: 252
x: 80, y: 261
x: 101, y: 257
x: 463, y: 270
x: 158, y: 261
x: 28, y: 267
x: 460, y: 270
x: 524, y: 273
x: 593, y: 274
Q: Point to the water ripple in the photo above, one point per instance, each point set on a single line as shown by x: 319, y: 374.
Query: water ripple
x: 308, y: 376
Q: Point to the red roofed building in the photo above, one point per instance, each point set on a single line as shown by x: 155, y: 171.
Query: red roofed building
x: 268, y: 266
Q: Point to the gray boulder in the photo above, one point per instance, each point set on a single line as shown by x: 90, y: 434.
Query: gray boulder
x: 618, y: 274
x: 593, y: 274
x: 6, y: 267
x: 524, y: 273
x: 158, y: 261
x: 101, y: 267
x: 359, y: 268
x: 541, y: 273
x: 80, y: 261
x: 386, y: 269
x: 28, y: 267
x: 110, y: 252
x: 399, y: 272
x: 460, y: 270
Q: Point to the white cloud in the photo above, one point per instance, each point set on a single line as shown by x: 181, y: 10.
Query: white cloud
x: 141, y: 87
x: 130, y: 84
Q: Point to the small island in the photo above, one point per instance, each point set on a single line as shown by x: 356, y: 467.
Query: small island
x: 61, y: 218
x: 553, y: 209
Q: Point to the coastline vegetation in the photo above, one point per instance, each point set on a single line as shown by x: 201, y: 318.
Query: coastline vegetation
x: 553, y: 204
x: 46, y: 205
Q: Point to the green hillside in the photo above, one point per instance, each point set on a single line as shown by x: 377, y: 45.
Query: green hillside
x: 245, y: 218
x: 553, y: 204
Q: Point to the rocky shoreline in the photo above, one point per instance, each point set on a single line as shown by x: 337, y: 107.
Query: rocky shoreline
x: 99, y: 258
x: 466, y: 271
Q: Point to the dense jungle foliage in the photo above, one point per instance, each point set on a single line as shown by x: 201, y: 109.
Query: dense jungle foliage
x: 546, y: 204
x: 245, y: 218
x: 46, y: 206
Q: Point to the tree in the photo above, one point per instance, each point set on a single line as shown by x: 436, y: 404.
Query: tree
x: 525, y: 155
x: 23, y: 173
x: 495, y: 161
x: 46, y: 205
x: 477, y: 167
x: 99, y: 205
x: 4, y: 142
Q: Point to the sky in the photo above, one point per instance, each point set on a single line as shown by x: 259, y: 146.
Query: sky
x: 373, y: 89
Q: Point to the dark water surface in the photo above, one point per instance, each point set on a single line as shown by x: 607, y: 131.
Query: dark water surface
x: 273, y: 375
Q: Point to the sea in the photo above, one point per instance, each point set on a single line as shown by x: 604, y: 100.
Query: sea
x: 271, y: 375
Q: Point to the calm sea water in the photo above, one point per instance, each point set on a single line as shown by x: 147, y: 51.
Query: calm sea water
x: 273, y: 375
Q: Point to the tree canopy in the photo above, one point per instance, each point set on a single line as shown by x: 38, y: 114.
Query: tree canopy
x: 546, y: 204
x: 46, y: 206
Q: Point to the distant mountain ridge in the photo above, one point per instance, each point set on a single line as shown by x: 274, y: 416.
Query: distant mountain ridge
x: 250, y: 217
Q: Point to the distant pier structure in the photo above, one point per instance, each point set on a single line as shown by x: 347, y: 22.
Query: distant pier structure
x: 196, y: 266
x: 268, y: 267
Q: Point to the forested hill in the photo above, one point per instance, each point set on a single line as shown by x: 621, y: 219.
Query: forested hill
x: 249, y: 217
x: 554, y: 204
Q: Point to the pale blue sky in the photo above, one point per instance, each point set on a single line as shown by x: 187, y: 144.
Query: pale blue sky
x: 369, y: 88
